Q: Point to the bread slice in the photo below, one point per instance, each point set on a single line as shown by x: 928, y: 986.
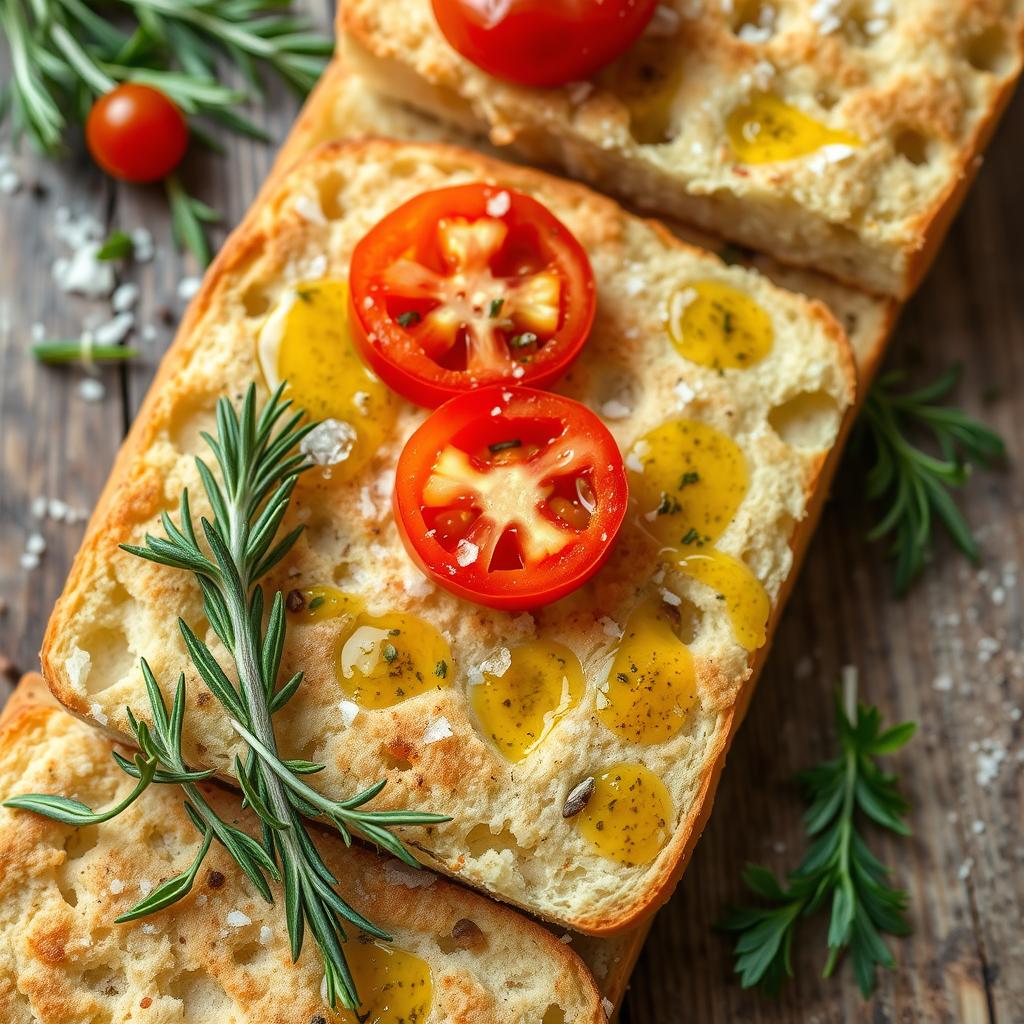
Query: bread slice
x: 509, y: 835
x: 343, y: 106
x: 221, y: 955
x: 901, y: 97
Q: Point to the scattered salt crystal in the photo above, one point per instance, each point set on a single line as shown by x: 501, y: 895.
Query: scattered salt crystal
x: 329, y: 443
x: 145, y: 886
x: 309, y: 209
x: 615, y: 410
x: 684, y: 393
x: 114, y: 331
x: 38, y: 508
x: 150, y: 929
x: 608, y: 1006
x: 265, y: 934
x: 964, y: 871
x: 349, y: 711
x: 518, y: 372
x: 601, y: 701
x: 116, y: 886
x: 125, y: 297
x: 98, y: 713
x: 142, y: 245
x: 149, y: 333
x: 36, y: 544
x: 466, y: 552
x: 498, y: 205
x: 187, y: 287
x: 28, y: 561
x: 38, y: 332
x: 91, y: 390
x: 236, y: 919
x: 77, y: 665
x: 496, y: 411
x: 943, y: 683
x: 438, y: 729
x: 977, y: 826
x: 669, y: 598
x: 498, y: 663
x: 610, y: 627
x: 10, y: 182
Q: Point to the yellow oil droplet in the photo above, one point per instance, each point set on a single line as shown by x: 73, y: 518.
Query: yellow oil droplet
x: 395, y: 986
x: 650, y: 686
x: 745, y: 599
x: 629, y: 816
x: 519, y: 707
x: 766, y: 130
x: 305, y: 341
x: 323, y: 602
x: 717, y: 325
x: 389, y: 658
x: 688, y: 479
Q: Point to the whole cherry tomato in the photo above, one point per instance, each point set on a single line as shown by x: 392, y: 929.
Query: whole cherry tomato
x: 467, y: 286
x: 542, y: 42
x: 510, y: 497
x: 136, y: 133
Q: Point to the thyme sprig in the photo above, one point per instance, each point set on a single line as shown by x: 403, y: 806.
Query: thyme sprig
x: 64, y: 55
x: 258, y: 464
x: 915, y: 484
x: 838, y: 869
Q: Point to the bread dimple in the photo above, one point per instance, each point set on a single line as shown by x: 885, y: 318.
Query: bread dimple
x: 920, y: 83
x: 508, y: 836
x: 221, y: 955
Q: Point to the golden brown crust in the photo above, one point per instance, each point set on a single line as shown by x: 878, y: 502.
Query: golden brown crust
x: 923, y: 90
x: 138, y: 489
x: 200, y: 962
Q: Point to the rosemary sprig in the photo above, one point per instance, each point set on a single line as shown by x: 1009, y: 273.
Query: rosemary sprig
x: 64, y: 55
x: 913, y: 483
x: 838, y: 868
x: 54, y: 353
x: 258, y: 468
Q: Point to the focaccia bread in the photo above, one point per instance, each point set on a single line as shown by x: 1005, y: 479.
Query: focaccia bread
x: 838, y: 135
x: 221, y: 955
x: 776, y: 422
x: 344, y: 106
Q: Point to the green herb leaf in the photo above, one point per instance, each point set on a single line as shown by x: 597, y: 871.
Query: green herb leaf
x: 119, y: 246
x: 838, y: 869
x: 913, y: 484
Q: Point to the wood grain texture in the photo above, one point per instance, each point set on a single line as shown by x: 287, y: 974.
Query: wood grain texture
x: 961, y: 625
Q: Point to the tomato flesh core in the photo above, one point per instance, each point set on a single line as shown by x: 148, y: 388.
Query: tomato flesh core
x: 510, y: 497
x: 468, y: 286
x: 542, y: 42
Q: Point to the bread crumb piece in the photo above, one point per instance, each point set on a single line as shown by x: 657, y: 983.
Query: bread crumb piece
x: 77, y: 665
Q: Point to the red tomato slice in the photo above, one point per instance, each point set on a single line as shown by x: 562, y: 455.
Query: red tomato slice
x: 510, y: 497
x: 542, y: 42
x: 469, y: 286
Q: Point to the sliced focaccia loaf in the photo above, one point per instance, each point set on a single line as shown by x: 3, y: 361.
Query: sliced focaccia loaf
x: 221, y: 955
x: 836, y: 135
x: 491, y: 717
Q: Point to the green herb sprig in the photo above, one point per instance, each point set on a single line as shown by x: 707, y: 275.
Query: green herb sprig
x: 259, y: 465
x: 838, y: 869
x: 64, y: 55
x: 914, y: 484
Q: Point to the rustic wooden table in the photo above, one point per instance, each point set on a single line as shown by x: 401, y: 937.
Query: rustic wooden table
x: 950, y: 656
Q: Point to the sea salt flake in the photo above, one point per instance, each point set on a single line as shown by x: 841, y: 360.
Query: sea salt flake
x: 187, y: 287
x: 498, y: 663
x: 125, y: 297
x: 114, y: 331
x: 977, y: 826
x: 236, y: 919
x: 98, y: 713
x: 28, y: 561
x: 466, y: 552
x: 265, y: 934
x: 438, y: 729
x: 610, y: 627
x: 608, y: 1006
x: 498, y: 205
x: 329, y: 443
x: 91, y: 390
x: 145, y: 886
x: 669, y: 598
x: 36, y: 544
x: 349, y: 712
x: 116, y: 886
x: 943, y: 683
x: 615, y: 410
